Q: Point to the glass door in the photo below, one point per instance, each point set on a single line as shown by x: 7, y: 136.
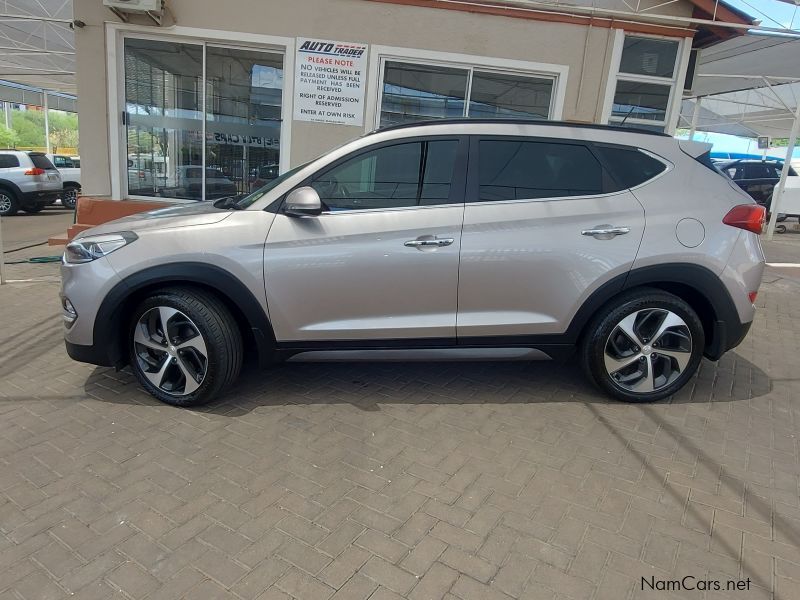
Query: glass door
x: 202, y: 122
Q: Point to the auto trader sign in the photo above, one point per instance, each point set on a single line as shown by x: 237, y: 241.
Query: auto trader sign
x: 329, y: 82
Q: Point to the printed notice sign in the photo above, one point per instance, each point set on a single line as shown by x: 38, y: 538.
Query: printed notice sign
x: 329, y: 82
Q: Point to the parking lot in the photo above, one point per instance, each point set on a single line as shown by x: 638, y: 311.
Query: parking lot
x: 423, y: 481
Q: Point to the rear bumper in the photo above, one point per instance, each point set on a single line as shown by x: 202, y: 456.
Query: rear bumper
x: 40, y: 197
x: 727, y: 335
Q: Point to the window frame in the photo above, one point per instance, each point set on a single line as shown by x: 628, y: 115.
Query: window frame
x: 379, y: 55
x: 116, y: 33
x: 457, y: 187
x: 675, y: 83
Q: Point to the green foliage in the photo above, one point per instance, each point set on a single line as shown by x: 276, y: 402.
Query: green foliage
x: 8, y: 137
x: 29, y: 127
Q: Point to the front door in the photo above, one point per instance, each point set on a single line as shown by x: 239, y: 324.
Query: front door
x: 542, y: 230
x: 381, y: 262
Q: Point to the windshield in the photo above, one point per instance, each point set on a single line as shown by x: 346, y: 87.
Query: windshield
x: 259, y: 193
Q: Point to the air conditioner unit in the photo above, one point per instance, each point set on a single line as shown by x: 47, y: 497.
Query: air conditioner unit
x: 135, y: 6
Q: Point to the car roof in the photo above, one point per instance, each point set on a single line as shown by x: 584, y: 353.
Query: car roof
x: 527, y: 122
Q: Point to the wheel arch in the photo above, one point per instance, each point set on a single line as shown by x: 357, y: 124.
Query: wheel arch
x: 696, y: 285
x: 113, y: 316
x: 72, y: 184
x: 11, y: 187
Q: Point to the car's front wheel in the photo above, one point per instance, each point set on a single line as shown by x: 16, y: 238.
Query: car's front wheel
x: 185, y: 346
x: 643, y: 347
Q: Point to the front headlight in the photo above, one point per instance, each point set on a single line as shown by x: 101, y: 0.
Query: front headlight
x: 92, y: 247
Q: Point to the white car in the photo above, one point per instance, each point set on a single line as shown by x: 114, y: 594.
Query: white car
x: 70, y: 171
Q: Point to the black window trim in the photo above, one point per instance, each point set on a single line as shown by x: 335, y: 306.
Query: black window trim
x: 457, y: 187
x: 668, y: 165
x: 473, y: 185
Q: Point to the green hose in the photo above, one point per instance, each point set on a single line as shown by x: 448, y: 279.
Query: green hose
x: 37, y: 260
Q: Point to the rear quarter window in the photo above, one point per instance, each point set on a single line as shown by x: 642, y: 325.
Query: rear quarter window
x: 8, y: 161
x: 40, y: 161
x: 630, y: 167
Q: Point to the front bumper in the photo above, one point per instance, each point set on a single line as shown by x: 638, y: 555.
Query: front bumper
x: 89, y: 354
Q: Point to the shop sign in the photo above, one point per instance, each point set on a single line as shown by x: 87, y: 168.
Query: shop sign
x: 330, y: 80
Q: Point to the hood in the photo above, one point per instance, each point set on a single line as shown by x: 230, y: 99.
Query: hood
x: 191, y: 215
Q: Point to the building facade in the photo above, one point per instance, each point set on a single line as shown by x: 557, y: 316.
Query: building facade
x: 223, y: 96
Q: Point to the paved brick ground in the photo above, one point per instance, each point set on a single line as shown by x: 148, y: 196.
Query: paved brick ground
x: 457, y: 481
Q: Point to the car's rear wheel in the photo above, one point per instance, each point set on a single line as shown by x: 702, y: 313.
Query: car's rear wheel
x: 185, y: 346
x: 8, y: 203
x: 644, y: 347
x: 69, y: 199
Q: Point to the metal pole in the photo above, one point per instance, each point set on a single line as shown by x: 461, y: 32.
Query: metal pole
x: 46, y: 122
x: 777, y: 194
x: 695, y: 117
x: 7, y: 111
x: 2, y: 256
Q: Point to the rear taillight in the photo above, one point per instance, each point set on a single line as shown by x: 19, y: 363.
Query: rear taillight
x: 750, y: 217
x: 35, y: 171
x: 752, y: 296
x: 142, y: 174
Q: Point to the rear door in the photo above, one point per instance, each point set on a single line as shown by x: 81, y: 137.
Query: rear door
x: 544, y: 226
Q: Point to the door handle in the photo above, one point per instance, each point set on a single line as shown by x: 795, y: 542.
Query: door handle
x: 606, y: 232
x: 429, y: 242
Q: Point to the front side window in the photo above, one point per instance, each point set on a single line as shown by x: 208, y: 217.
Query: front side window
x: 517, y: 170
x: 401, y: 175
x: 418, y: 92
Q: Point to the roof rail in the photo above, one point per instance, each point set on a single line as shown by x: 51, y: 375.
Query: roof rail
x: 467, y: 120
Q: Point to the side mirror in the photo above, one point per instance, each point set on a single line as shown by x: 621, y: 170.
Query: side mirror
x: 303, y: 202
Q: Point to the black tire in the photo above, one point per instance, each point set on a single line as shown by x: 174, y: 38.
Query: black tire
x: 69, y: 198
x: 598, y: 337
x: 220, y: 334
x: 33, y: 209
x: 9, y: 204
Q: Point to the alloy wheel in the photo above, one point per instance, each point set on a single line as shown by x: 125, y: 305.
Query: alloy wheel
x: 648, y: 350
x: 170, y: 350
x: 70, y: 198
x: 5, y: 203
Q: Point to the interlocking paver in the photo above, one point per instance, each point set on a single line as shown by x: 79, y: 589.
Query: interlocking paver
x: 386, y: 481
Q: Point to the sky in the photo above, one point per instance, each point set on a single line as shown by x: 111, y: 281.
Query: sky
x: 772, y: 13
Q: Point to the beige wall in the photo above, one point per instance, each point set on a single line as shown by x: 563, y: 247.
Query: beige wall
x: 586, y: 51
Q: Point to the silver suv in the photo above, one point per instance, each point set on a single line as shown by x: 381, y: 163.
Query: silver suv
x: 466, y: 239
x: 28, y: 181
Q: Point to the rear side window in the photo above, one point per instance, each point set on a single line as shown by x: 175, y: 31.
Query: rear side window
x: 62, y: 162
x: 40, y: 161
x: 630, y: 167
x: 8, y: 161
x: 758, y: 171
x: 518, y: 170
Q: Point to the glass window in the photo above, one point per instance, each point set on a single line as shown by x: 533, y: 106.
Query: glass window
x: 413, y: 92
x: 513, y: 170
x: 637, y: 100
x: 40, y: 161
x: 759, y: 171
x: 8, y: 161
x: 243, y: 111
x: 411, y: 174
x: 497, y: 95
x: 629, y: 166
x: 164, y: 89
x: 648, y: 56
x: 62, y: 162
x: 163, y: 101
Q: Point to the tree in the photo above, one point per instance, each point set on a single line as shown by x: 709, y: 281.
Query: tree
x: 63, y: 138
x: 8, y: 138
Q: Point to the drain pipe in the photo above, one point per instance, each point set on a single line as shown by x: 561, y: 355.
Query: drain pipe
x: 2, y: 256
